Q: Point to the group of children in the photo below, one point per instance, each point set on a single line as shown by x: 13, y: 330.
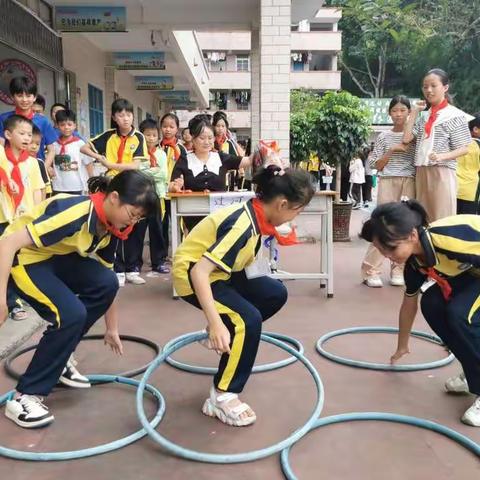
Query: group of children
x: 58, y: 253
x: 58, y: 250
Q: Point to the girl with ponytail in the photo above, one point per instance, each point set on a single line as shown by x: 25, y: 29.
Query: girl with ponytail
x: 442, y: 262
x: 214, y: 269
x: 441, y: 135
x: 60, y: 258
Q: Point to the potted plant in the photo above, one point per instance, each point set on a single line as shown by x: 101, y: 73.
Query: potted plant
x: 342, y: 126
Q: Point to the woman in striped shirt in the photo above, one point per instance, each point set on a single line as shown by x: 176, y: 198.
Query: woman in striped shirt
x: 442, y: 136
x: 394, y: 162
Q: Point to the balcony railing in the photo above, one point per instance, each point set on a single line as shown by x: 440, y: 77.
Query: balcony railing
x: 28, y: 34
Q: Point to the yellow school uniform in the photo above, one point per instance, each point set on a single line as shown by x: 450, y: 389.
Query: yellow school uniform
x: 468, y: 170
x: 32, y: 181
x: 108, y: 144
x: 62, y: 225
x: 229, y: 238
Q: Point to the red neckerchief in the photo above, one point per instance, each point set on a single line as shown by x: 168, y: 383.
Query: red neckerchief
x: 97, y: 200
x: 219, y: 141
x: 16, y: 174
x: 153, y: 158
x: 29, y: 115
x: 121, y: 148
x: 433, y: 116
x: 267, y: 228
x: 441, y: 281
x: 172, y: 142
x: 5, y: 180
x: 63, y: 143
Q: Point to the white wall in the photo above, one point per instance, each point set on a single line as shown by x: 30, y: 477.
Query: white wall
x: 87, y: 62
x: 45, y: 77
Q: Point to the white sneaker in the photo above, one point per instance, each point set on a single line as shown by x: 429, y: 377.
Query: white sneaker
x: 121, y: 279
x: 373, y: 282
x: 472, y: 415
x: 71, y: 377
x: 397, y: 281
x: 135, y: 278
x: 28, y: 411
x: 457, y: 384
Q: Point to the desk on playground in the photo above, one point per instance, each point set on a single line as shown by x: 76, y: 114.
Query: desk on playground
x: 201, y: 204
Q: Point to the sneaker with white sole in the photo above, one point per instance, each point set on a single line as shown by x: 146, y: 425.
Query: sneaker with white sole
x: 457, y: 384
x: 373, y: 282
x: 28, y: 411
x: 472, y: 415
x: 397, y: 281
x: 71, y: 377
x: 121, y: 279
x: 135, y: 278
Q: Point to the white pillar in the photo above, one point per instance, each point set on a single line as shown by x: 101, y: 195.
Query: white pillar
x: 275, y: 24
x: 255, y: 88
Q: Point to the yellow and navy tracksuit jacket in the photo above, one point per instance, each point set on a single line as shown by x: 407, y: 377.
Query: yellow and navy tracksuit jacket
x: 229, y: 237
x: 62, y: 225
x: 452, y: 247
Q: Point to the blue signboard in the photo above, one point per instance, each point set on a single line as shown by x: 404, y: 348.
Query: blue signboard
x: 178, y: 95
x: 139, y: 60
x: 151, y: 82
x: 90, y: 19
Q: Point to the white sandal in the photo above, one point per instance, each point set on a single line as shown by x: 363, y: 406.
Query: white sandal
x: 216, y: 406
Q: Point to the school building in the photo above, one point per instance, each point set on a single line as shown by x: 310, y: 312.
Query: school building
x: 186, y: 56
x: 314, y: 46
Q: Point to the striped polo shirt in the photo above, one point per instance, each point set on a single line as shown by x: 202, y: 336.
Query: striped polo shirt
x: 448, y: 135
x: 400, y: 164
x: 62, y: 225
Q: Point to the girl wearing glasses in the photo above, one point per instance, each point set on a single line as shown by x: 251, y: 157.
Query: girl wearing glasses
x: 60, y: 258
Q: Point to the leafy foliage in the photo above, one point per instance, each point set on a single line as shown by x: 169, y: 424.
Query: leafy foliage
x: 342, y: 126
x: 388, y: 45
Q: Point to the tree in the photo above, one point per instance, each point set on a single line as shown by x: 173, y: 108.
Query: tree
x: 372, y: 32
x: 342, y: 126
x: 389, y: 45
x: 303, y: 108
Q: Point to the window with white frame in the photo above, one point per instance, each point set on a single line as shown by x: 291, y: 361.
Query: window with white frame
x: 243, y: 63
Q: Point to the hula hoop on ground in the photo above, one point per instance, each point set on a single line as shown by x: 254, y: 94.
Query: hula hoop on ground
x: 384, y: 417
x: 98, y: 450
x: 237, y: 457
x: 267, y: 367
x: 129, y: 338
x: 382, y: 366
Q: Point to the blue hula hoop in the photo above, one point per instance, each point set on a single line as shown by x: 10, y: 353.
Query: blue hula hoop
x: 382, y: 366
x: 383, y: 417
x: 237, y: 457
x: 267, y: 367
x: 98, y: 450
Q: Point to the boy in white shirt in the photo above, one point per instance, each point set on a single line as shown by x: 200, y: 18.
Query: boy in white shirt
x: 72, y: 168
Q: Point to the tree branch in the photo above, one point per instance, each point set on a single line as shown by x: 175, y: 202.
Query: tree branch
x: 355, y: 80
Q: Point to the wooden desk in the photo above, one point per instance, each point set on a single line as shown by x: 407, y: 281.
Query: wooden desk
x: 198, y: 204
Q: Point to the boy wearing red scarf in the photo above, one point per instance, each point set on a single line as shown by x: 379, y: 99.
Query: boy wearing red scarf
x: 24, y: 92
x: 72, y: 168
x: 25, y: 189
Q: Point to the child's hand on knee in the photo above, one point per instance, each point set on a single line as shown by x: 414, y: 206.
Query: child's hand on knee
x: 220, y: 337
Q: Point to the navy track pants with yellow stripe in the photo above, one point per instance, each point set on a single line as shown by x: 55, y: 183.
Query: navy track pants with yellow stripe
x: 243, y: 305
x: 71, y: 293
x: 457, y: 323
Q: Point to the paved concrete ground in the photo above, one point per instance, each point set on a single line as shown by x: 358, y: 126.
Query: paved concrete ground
x: 282, y: 399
